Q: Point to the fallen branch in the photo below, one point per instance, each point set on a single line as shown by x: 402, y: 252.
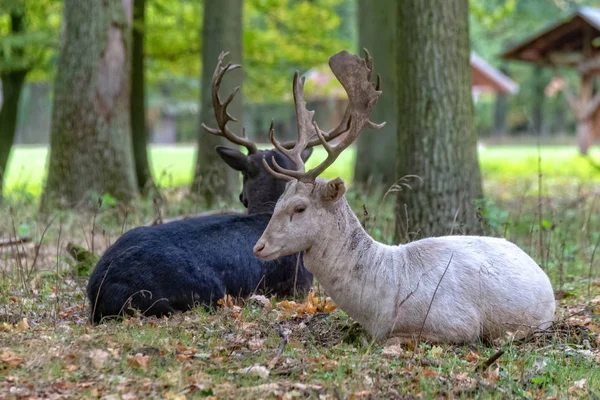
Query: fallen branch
x: 284, y: 342
x: 14, y: 241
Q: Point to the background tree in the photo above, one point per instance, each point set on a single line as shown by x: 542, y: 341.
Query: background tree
x: 222, y: 30
x: 376, y: 152
x: 22, y: 49
x: 436, y: 138
x: 139, y: 131
x: 91, y: 130
x: 12, y: 85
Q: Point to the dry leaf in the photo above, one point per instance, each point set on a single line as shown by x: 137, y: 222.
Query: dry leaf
x: 98, y: 358
x: 394, y: 350
x: 4, y: 327
x: 436, y: 351
x: 472, y: 357
x: 429, y: 373
x: 261, y: 300
x: 255, y: 370
x: 577, y: 386
x: 139, y: 360
x: 22, y: 325
x: 11, y: 359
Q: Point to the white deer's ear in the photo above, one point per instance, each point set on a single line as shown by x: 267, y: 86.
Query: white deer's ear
x: 334, y: 190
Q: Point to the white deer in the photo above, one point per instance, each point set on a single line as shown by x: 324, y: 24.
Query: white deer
x: 448, y: 289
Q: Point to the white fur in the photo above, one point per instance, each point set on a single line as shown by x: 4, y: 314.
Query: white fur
x: 489, y: 286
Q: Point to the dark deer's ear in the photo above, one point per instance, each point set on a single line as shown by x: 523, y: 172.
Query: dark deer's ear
x: 306, y: 154
x: 235, y: 159
x: 334, y: 190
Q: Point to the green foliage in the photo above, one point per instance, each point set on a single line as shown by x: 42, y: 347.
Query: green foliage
x: 282, y: 36
x: 34, y: 48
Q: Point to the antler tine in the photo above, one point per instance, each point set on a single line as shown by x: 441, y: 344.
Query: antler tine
x: 353, y: 72
x: 343, y: 126
x: 222, y: 116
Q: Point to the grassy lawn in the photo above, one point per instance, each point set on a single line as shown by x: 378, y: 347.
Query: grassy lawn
x: 172, y: 165
x: 49, y: 350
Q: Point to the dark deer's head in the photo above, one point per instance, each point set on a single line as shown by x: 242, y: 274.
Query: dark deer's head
x: 260, y: 189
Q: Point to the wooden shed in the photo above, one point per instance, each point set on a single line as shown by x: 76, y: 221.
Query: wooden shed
x: 571, y: 43
x: 487, y: 79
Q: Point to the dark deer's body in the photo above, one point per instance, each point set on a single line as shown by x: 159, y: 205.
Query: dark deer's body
x: 162, y: 269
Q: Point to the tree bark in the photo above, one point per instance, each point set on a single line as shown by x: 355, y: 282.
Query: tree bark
x: 91, y: 150
x: 376, y: 155
x: 12, y: 86
x: 436, y: 136
x: 139, y: 131
x: 222, y: 30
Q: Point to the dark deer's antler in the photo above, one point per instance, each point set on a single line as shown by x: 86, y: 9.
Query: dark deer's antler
x: 354, y: 74
x: 221, y: 115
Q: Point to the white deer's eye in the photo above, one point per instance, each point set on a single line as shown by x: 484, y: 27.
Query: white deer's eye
x: 299, y: 209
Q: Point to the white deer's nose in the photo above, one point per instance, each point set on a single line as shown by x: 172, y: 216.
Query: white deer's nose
x: 259, y: 247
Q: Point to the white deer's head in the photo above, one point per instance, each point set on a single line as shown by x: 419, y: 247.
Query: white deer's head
x: 308, y: 204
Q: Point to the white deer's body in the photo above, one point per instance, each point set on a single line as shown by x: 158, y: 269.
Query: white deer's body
x: 448, y: 289
x: 489, y: 285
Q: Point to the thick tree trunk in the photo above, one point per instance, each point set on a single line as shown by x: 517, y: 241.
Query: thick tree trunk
x: 91, y: 130
x: 376, y: 151
x: 436, y: 137
x: 12, y: 86
x: 222, y: 31
x: 139, y: 131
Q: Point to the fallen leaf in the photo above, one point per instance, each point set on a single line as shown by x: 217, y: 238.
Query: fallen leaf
x: 577, y: 386
x: 98, y: 358
x: 22, y: 325
x: 429, y: 373
x: 255, y: 370
x: 139, y: 360
x: 394, y: 350
x: 4, y: 327
x: 11, y: 359
x: 472, y: 357
x: 436, y: 351
x: 261, y: 300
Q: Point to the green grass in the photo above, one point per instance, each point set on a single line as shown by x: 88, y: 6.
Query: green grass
x: 173, y: 165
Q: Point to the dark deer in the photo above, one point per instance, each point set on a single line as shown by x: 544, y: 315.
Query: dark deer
x: 446, y: 289
x: 158, y: 270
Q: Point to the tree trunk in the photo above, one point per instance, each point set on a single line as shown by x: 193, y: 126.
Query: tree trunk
x: 12, y: 85
x: 139, y: 130
x: 91, y: 130
x: 436, y: 136
x: 376, y: 155
x: 222, y: 30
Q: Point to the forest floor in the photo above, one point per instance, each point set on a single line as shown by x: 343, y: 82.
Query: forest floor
x: 270, y: 348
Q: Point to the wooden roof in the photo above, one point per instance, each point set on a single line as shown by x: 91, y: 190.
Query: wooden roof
x: 569, y: 37
x: 486, y: 78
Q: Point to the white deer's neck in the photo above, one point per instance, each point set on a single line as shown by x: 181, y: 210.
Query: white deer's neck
x: 353, y: 268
